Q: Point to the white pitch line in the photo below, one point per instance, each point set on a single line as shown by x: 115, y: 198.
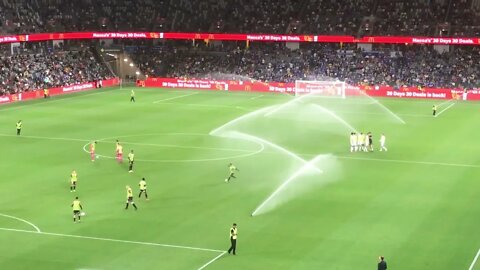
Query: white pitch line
x: 440, y: 112
x: 172, y: 98
x: 256, y: 97
x: 132, y: 143
x: 445, y: 102
x: 113, y: 240
x: 22, y: 220
x: 212, y: 260
x: 474, y: 260
x: 413, y: 162
x: 57, y: 99
x: 204, y: 105
x: 45, y: 138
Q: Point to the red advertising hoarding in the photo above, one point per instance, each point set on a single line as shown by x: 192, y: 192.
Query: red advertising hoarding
x: 278, y: 87
x: 240, y: 37
x: 57, y: 91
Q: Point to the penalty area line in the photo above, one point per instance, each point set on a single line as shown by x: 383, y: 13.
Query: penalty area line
x: 256, y: 97
x: 440, y: 112
x: 113, y: 240
x: 472, y: 265
x: 212, y: 260
x: 172, y: 98
x: 411, y: 162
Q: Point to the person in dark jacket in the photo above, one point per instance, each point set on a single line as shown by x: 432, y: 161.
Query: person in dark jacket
x: 382, y: 265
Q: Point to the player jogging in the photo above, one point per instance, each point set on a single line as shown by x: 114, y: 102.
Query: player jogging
x: 130, y: 198
x: 77, y: 207
x: 132, y: 96
x: 19, y: 127
x: 131, y: 159
x: 382, y: 143
x: 232, y: 169
x: 73, y: 181
x: 143, y: 188
x: 92, y: 150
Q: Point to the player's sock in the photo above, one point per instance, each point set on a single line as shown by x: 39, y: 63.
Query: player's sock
x: 139, y: 194
x: 146, y: 196
x: 134, y: 206
x: 126, y: 206
x: 74, y: 220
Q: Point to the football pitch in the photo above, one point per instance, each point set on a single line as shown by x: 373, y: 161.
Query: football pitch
x: 319, y: 206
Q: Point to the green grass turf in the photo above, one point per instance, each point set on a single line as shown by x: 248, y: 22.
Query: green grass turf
x: 415, y: 204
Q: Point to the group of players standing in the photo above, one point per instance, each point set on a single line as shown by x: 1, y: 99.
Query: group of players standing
x: 360, y: 142
x: 76, y: 204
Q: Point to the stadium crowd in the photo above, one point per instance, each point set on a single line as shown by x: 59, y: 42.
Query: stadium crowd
x: 385, y: 65
x: 397, y: 66
x: 351, y: 17
x: 33, y: 71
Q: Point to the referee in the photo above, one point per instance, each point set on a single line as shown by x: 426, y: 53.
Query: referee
x: 233, y: 239
x: 131, y: 158
x: 382, y: 265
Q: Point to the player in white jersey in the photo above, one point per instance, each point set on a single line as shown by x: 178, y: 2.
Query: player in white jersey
x: 353, y: 142
x: 359, y: 142
x: 382, y: 143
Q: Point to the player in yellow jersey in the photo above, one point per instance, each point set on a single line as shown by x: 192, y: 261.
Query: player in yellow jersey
x: 130, y: 198
x: 143, y: 188
x: 131, y: 159
x: 232, y: 169
x: 73, y: 181
x: 19, y: 127
x: 92, y: 150
x: 77, y: 207
x: 132, y: 96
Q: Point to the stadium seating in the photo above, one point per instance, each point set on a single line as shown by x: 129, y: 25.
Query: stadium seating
x: 31, y: 71
x: 351, y: 17
x: 387, y: 65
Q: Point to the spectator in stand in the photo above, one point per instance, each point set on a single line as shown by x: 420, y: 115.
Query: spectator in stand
x: 396, y: 66
x: 346, y: 17
x: 25, y: 72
